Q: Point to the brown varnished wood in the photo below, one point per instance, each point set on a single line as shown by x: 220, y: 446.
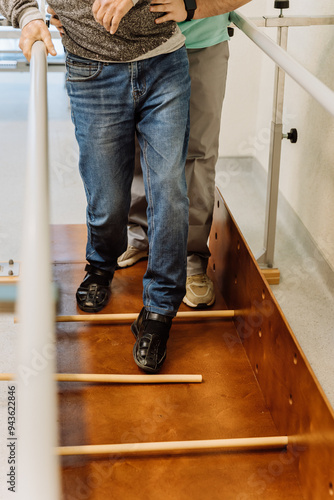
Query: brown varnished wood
x: 68, y: 242
x: 296, y: 401
x: 272, y: 276
x: 227, y: 404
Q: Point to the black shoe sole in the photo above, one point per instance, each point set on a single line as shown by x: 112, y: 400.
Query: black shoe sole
x: 145, y: 368
x: 93, y: 309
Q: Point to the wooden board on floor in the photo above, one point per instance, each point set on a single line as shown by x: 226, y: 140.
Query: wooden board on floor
x: 272, y: 276
x: 227, y: 404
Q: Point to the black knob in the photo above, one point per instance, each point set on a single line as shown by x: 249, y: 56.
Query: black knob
x: 230, y: 31
x: 281, y: 4
x: 293, y: 135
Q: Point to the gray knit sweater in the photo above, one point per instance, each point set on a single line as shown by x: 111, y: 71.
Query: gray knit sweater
x: 137, y: 36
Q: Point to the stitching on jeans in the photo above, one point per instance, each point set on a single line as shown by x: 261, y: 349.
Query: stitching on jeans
x: 151, y: 219
x: 72, y: 65
x: 89, y: 231
x: 137, y: 93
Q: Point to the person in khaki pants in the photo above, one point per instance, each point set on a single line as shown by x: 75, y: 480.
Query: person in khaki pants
x: 208, y: 53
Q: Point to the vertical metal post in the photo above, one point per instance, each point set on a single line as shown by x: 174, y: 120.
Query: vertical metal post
x: 38, y: 473
x: 266, y: 258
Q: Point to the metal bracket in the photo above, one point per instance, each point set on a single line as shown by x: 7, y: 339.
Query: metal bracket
x: 9, y: 268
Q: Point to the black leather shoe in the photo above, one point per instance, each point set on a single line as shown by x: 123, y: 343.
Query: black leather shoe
x: 94, y: 292
x: 151, y: 331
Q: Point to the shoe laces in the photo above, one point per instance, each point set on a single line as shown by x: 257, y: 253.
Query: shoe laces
x: 198, y: 279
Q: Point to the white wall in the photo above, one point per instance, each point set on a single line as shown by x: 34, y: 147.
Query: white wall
x: 240, y: 108
x: 307, y: 168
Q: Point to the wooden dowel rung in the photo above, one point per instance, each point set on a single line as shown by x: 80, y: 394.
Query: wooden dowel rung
x: 247, y: 444
x: 128, y: 317
x: 118, y: 378
x: 7, y: 377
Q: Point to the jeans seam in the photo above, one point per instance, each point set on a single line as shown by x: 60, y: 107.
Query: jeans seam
x: 89, y: 239
x: 137, y: 92
x: 152, y: 229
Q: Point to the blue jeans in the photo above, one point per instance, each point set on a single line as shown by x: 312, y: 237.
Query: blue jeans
x: 110, y: 103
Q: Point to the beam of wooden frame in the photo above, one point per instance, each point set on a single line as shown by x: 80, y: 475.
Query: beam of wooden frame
x: 247, y: 444
x: 293, y: 395
x: 128, y: 317
x: 118, y: 378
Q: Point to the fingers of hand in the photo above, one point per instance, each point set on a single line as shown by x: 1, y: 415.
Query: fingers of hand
x: 55, y: 21
x: 100, y: 9
x: 109, y: 13
x: 49, y: 45
x: 174, y: 10
x: 103, y: 14
x: 101, y: 18
x: 31, y: 33
x: 51, y: 11
x: 164, y: 19
x: 116, y: 19
x: 159, y: 8
x: 25, y: 46
x: 57, y: 24
x: 114, y: 25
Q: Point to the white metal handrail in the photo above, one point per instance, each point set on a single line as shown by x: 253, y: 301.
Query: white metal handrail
x: 37, y: 410
x: 284, y: 64
x: 316, y: 88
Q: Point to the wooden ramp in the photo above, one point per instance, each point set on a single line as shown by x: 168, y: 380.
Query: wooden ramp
x: 256, y: 382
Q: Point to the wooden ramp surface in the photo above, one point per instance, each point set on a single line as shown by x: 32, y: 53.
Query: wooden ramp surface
x: 228, y: 404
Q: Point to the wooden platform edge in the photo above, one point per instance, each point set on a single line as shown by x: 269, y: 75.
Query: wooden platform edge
x: 9, y: 280
x: 272, y: 276
x: 297, y: 403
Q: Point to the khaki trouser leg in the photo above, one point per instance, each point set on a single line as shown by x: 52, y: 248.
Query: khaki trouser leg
x: 208, y: 71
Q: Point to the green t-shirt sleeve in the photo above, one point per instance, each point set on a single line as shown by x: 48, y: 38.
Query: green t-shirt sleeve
x: 201, y: 33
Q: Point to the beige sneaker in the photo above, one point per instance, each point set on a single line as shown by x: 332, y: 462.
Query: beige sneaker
x: 131, y: 256
x: 199, y: 291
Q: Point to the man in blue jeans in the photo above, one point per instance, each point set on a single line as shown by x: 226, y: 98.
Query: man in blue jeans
x: 110, y: 101
x: 132, y: 80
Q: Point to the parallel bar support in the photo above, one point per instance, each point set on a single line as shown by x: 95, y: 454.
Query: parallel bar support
x: 295, y: 21
x: 37, y: 408
x: 318, y: 90
x: 267, y: 257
